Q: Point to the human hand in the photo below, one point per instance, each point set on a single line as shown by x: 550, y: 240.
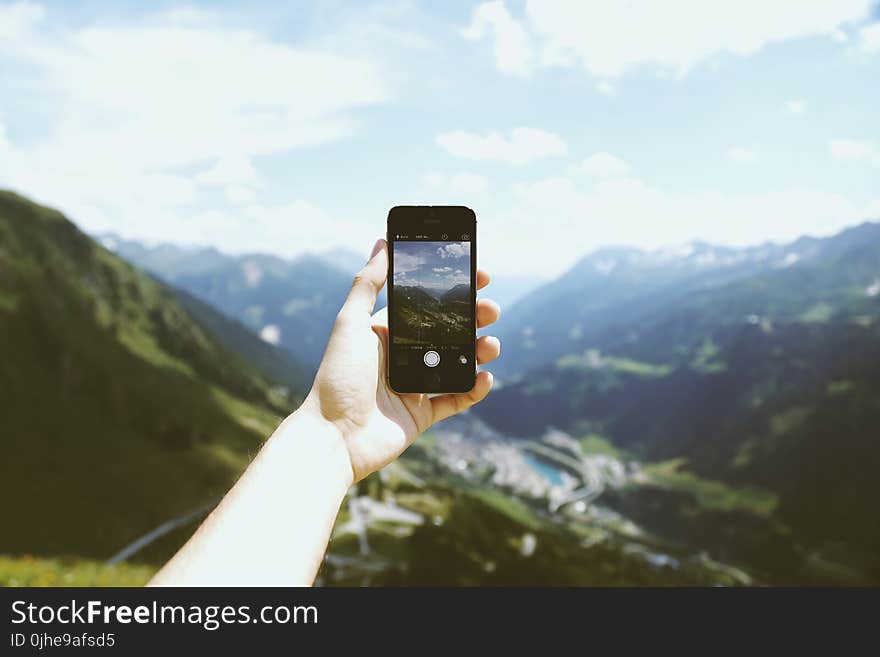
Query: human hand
x: 351, y: 388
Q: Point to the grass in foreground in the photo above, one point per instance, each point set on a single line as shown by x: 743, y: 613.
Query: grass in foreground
x: 33, y: 571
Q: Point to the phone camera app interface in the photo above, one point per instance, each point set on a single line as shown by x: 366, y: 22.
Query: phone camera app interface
x: 433, y: 316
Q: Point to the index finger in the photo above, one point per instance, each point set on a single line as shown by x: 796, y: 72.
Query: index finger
x: 483, y: 278
x: 368, y: 282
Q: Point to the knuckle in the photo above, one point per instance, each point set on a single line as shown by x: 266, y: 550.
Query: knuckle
x: 363, y: 281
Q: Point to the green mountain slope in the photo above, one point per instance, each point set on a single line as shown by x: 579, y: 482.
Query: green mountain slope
x: 119, y: 410
x: 275, y: 364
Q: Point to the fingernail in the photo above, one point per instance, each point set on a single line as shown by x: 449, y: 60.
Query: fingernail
x: 376, y: 248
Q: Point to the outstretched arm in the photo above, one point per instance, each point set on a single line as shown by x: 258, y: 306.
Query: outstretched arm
x: 273, y: 527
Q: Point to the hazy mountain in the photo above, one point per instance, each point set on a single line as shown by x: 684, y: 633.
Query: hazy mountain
x: 418, y: 295
x: 507, y: 289
x: 347, y: 261
x: 119, y: 409
x: 176, y: 260
x: 615, y: 287
x: 289, y: 303
x: 770, y: 379
x: 459, y: 294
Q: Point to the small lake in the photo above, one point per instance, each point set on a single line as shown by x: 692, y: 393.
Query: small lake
x: 551, y: 472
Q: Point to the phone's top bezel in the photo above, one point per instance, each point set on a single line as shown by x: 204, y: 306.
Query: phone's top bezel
x: 410, y: 215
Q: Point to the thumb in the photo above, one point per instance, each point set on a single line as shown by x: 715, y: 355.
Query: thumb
x: 368, y: 281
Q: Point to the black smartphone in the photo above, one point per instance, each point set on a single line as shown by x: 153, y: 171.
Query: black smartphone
x: 432, y: 296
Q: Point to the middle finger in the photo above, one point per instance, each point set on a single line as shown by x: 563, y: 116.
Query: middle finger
x: 487, y: 312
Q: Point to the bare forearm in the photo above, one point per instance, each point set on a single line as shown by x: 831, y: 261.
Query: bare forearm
x: 272, y: 528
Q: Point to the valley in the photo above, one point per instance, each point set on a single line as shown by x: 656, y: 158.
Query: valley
x: 425, y: 317
x: 404, y: 524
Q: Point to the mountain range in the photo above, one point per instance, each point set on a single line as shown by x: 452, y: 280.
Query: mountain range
x: 737, y: 391
x: 616, y: 288
x: 759, y: 366
x: 290, y: 303
x: 426, y: 316
x: 460, y: 293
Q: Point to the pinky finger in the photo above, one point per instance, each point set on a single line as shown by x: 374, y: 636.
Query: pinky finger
x: 445, y: 406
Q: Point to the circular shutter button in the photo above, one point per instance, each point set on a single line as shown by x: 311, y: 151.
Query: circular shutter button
x: 432, y: 358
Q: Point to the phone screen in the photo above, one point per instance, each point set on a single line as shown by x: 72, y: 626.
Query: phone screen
x: 432, y: 293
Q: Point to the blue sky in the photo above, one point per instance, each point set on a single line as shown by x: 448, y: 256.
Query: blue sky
x: 436, y: 266
x: 565, y: 125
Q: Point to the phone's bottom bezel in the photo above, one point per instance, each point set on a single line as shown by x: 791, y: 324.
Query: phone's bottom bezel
x: 439, y: 391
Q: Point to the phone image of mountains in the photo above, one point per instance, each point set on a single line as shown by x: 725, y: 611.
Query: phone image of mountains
x: 432, y: 293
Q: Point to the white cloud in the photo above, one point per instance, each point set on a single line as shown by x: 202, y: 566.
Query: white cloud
x: 229, y: 170
x: 126, y: 108
x: 455, y: 250
x: 852, y: 149
x: 604, y: 165
x: 628, y: 211
x: 742, y: 155
x: 133, y: 124
x: 444, y: 280
x: 605, y: 88
x: 176, y: 95
x: 524, y: 145
x: 511, y: 44
x: 405, y: 262
x: 467, y: 183
x: 239, y: 194
x: 463, y: 183
x: 869, y: 38
x: 796, y: 106
x: 301, y: 225
x: 435, y: 179
x: 18, y: 19
x: 610, y: 39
